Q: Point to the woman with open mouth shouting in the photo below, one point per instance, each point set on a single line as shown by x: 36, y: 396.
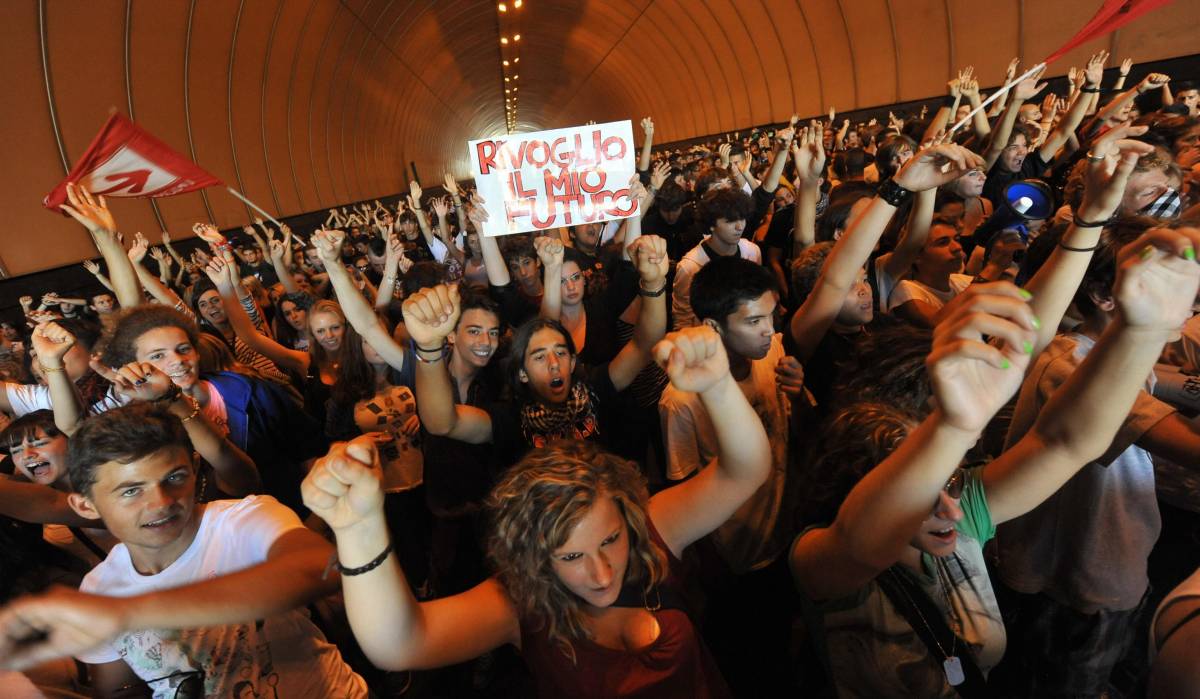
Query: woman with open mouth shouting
x: 552, y: 401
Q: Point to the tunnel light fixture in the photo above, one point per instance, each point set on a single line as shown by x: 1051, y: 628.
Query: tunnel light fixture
x: 516, y: 60
x: 506, y: 63
x: 517, y: 4
x: 504, y: 40
x: 502, y: 7
x: 516, y: 37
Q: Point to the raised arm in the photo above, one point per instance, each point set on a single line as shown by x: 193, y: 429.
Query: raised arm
x: 926, y: 170
x: 394, y: 264
x: 1110, y: 164
x: 783, y: 144
x: 493, y: 260
x: 160, y: 291
x: 647, y: 144
x: 393, y: 629
x: 430, y: 317
x: 218, y: 271
x: 550, y: 251
x: 979, y: 122
x: 94, y: 269
x: 649, y: 254
x: 808, y: 152
x: 913, y: 237
x: 93, y: 213
x: 166, y: 241
x: 52, y: 342
x: 1157, y: 281
x: 694, y: 358
x: 279, y: 253
x: 1027, y: 88
x: 358, y: 312
x: 971, y: 381
x: 1094, y: 73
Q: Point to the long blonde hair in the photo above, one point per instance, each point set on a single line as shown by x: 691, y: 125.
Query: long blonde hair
x: 536, y: 507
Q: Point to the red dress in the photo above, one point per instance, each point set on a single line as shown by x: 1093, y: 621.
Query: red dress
x: 676, y: 664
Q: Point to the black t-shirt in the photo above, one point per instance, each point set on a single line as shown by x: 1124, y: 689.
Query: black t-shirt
x: 459, y: 475
x: 779, y: 234
x: 601, y: 342
x: 681, y: 236
x: 511, y: 440
x: 515, y: 307
x: 265, y: 272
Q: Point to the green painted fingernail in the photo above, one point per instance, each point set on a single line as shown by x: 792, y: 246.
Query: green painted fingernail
x: 1028, y: 347
x: 1025, y: 294
x: 1004, y: 364
x: 1189, y: 253
x: 1147, y: 252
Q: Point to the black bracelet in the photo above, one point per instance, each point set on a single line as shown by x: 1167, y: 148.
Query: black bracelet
x: 375, y: 563
x: 893, y: 193
x: 429, y: 349
x: 661, y: 290
x: 1095, y: 90
x: 1064, y: 246
x: 1081, y: 223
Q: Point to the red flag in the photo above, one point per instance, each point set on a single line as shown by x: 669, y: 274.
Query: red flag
x: 124, y: 160
x: 1112, y: 15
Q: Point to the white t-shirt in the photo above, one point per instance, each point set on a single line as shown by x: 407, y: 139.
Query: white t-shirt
x: 692, y: 262
x: 913, y: 290
x: 26, y: 398
x: 282, y: 656
x: 747, y: 541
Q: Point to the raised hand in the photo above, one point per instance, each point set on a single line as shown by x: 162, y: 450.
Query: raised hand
x: 954, y: 87
x: 1029, y: 87
x: 1126, y: 65
x: 832, y: 115
x: 1110, y: 163
x: 344, y: 486
x: 659, y: 175
x: 137, y: 380
x: 1153, y: 81
x: 1011, y: 71
x: 809, y: 154
x: 550, y: 251
x: 431, y: 314
x: 50, y: 298
x: 1095, y: 68
x: 450, y: 185
x: 209, y: 234
x: 91, y: 267
x: 972, y: 379
x: 137, y: 251
x: 166, y: 238
x: 328, y: 242
x: 441, y: 207
x: 723, y: 150
x: 693, y: 358
x: 414, y: 191
x: 1157, y: 279
x: 51, y: 342
x: 649, y: 255
x: 91, y: 211
x: 648, y: 126
x: 55, y: 624
x: 936, y: 166
x: 217, y: 271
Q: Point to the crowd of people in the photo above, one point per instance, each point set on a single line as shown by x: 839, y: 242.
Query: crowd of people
x: 857, y: 410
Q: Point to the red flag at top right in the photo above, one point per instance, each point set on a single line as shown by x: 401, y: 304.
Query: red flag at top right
x: 1112, y: 15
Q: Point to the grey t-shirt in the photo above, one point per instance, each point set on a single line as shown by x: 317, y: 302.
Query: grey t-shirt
x: 1087, y: 545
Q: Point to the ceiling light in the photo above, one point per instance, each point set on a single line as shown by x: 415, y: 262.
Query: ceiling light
x: 504, y: 40
x: 515, y: 77
x: 505, y: 62
x: 502, y: 7
x: 507, y: 91
x: 516, y: 37
x: 506, y: 80
x: 517, y: 4
x: 517, y: 59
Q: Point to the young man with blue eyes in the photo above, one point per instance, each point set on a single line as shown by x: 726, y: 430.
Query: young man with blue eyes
x: 737, y: 298
x: 197, y: 598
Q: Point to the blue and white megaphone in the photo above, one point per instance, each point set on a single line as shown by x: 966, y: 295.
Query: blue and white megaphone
x: 1024, y: 201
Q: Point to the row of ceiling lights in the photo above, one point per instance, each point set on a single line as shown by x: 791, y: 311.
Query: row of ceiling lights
x: 509, y: 59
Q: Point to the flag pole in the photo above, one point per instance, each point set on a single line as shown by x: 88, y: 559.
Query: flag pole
x: 259, y: 209
x: 1007, y: 86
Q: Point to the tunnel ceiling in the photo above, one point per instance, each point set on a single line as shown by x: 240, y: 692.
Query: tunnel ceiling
x: 304, y: 104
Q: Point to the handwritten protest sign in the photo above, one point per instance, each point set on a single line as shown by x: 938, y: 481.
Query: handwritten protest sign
x: 560, y: 177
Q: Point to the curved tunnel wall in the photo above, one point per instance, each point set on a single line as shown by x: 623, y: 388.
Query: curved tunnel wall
x: 304, y: 104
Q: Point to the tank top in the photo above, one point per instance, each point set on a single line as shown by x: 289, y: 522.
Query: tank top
x: 1187, y: 589
x: 676, y: 664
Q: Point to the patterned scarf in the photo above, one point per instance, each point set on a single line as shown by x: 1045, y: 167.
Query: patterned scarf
x: 574, y: 419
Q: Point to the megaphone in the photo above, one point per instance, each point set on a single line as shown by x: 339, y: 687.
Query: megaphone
x: 1024, y: 200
